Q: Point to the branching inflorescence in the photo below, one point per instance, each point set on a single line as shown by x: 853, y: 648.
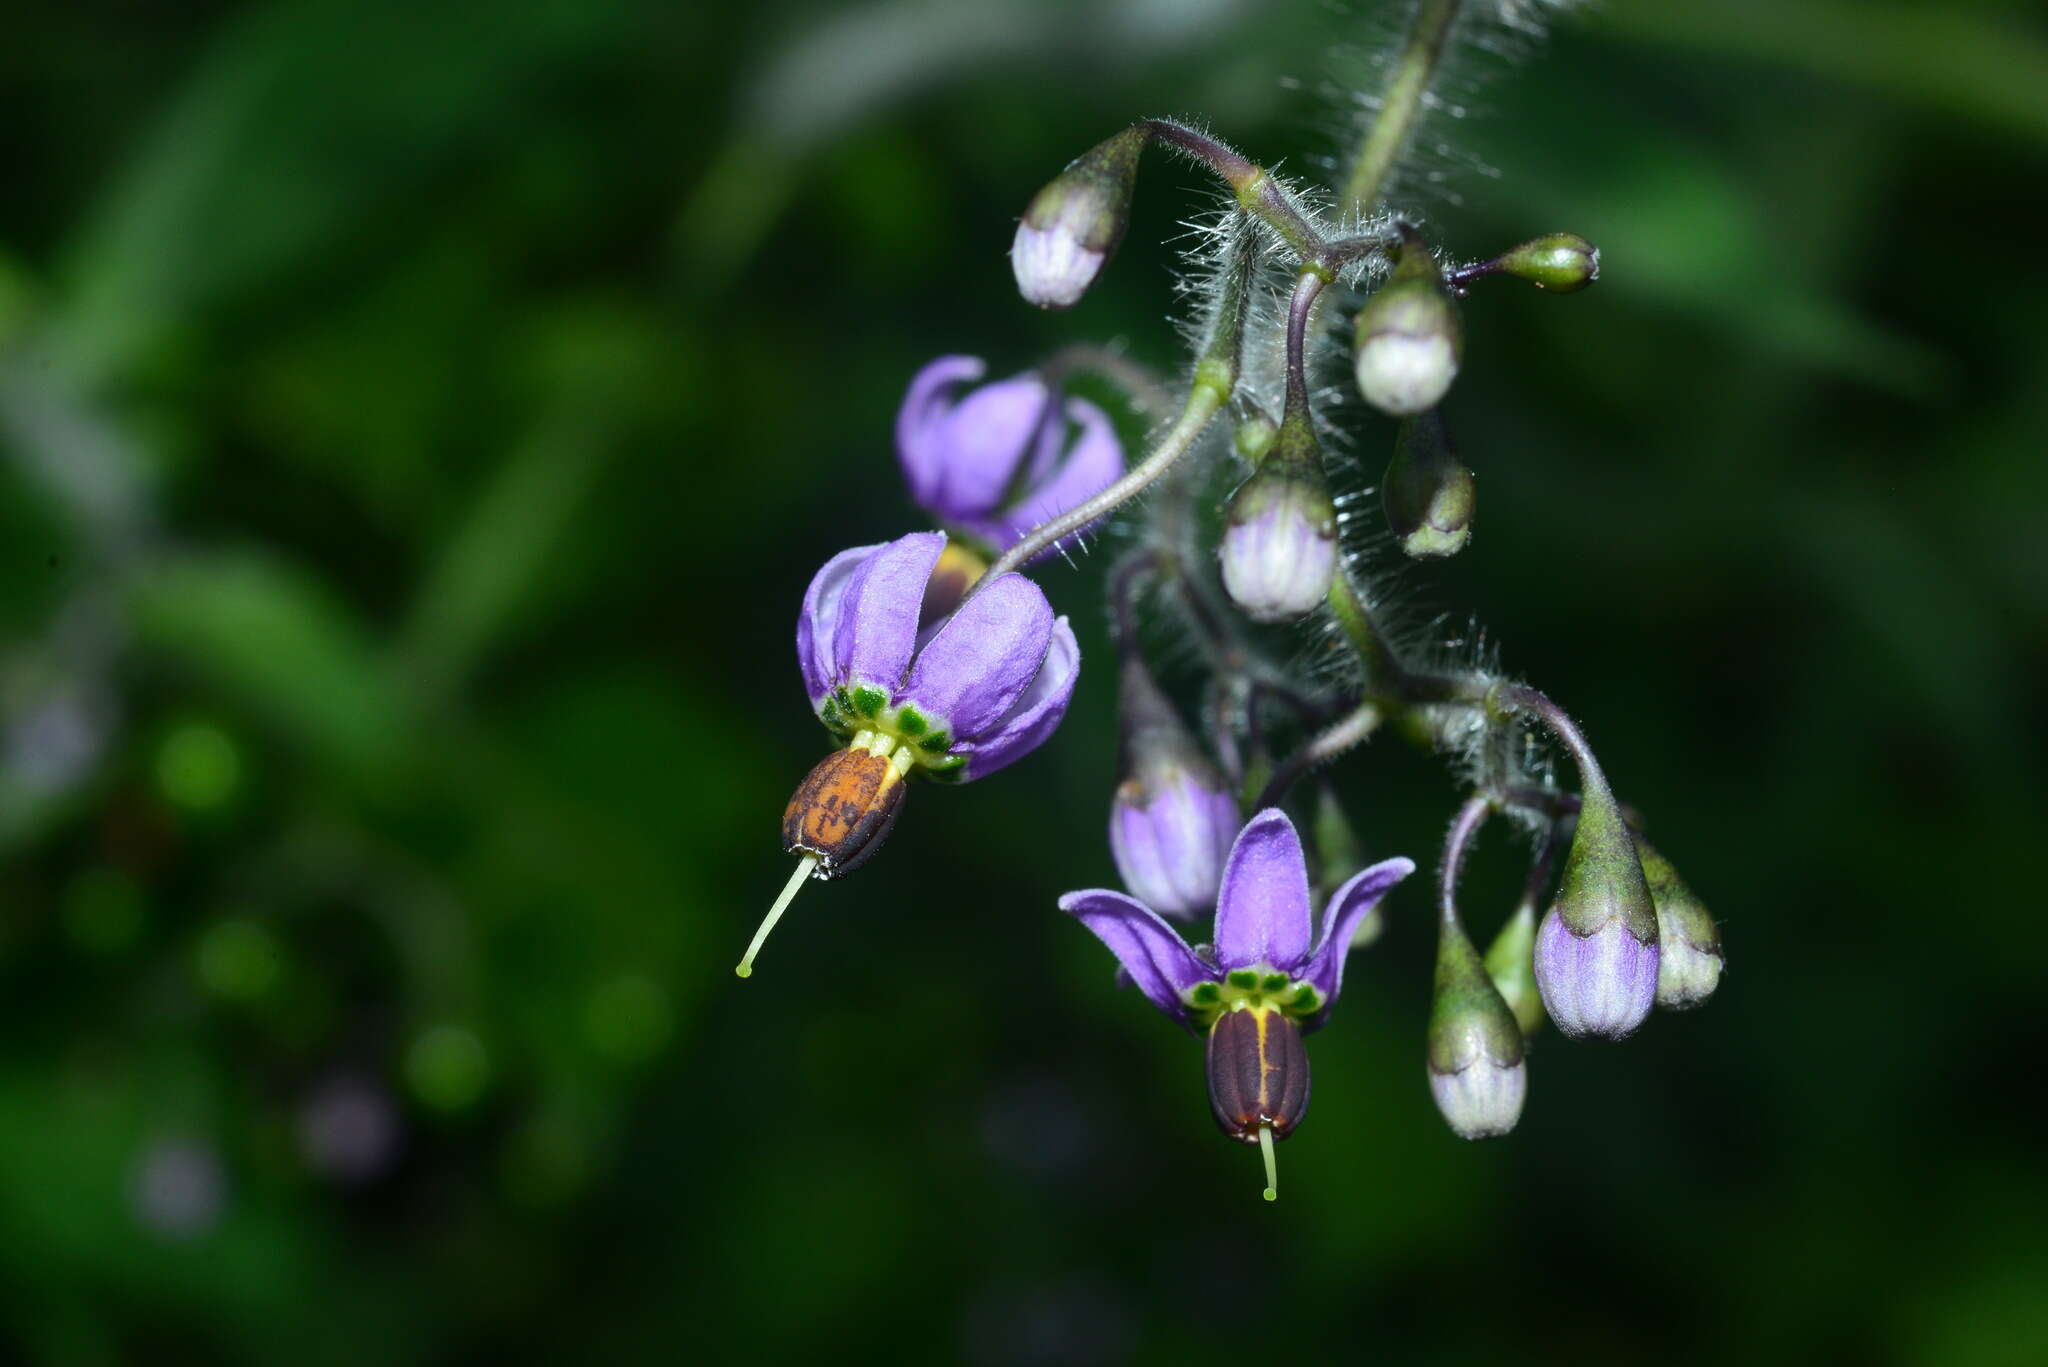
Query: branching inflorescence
x: 933, y: 656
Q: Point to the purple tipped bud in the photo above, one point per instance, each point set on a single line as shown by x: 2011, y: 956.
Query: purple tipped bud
x: 1596, y: 951
x: 1280, y: 542
x: 1074, y: 224
x: 1408, y: 342
x: 1602, y: 984
x: 1174, y: 818
x: 1689, y: 955
x: 1428, y: 494
x: 1559, y: 262
x: 1476, y: 1071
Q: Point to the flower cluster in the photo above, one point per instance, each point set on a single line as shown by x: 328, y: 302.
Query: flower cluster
x: 933, y: 657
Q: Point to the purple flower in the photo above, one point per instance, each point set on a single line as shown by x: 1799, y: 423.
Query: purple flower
x: 1173, y: 819
x: 955, y: 696
x: 997, y: 460
x: 1269, y: 979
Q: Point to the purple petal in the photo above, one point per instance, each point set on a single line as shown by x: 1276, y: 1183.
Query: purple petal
x: 982, y: 444
x: 920, y: 423
x: 1035, y: 715
x: 1158, y: 960
x: 981, y: 661
x: 1170, y: 851
x: 1348, y: 906
x: 815, y: 624
x: 876, y: 631
x: 1601, y: 985
x: 1262, y: 914
x: 1095, y: 462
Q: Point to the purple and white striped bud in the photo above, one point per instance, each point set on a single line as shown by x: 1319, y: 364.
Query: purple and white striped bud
x: 1476, y: 1069
x: 1174, y: 817
x: 1689, y: 955
x: 1073, y: 225
x: 1408, y: 342
x: 1280, y: 538
x: 1596, y: 951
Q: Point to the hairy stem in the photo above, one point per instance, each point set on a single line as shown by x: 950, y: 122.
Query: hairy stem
x: 1351, y: 730
x: 1400, y: 106
x: 1464, y: 829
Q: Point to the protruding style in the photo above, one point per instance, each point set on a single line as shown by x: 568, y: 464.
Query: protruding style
x: 1270, y: 979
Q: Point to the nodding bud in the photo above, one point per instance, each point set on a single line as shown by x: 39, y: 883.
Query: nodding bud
x: 1428, y: 494
x: 1596, y: 951
x: 1559, y: 262
x: 1408, y: 341
x: 1476, y: 1071
x: 1511, y: 963
x: 1689, y: 955
x: 1280, y: 535
x: 1174, y: 817
x: 1073, y: 225
x: 842, y: 811
x: 1258, y: 1073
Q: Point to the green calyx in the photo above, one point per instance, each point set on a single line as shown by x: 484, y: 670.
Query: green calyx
x: 1468, y: 1019
x: 851, y: 709
x: 1258, y: 988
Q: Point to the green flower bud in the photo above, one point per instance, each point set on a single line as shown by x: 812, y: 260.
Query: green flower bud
x: 1408, y: 342
x: 1476, y: 1069
x: 1428, y: 494
x: 1074, y: 224
x: 1560, y: 262
x: 1689, y: 944
x: 1510, y: 962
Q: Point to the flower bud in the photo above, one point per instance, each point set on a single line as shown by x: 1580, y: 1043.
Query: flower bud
x: 1689, y: 955
x: 1560, y: 262
x: 1258, y: 1073
x: 1427, y: 493
x: 1408, y: 341
x: 1596, y: 951
x: 1174, y: 818
x: 842, y: 811
x: 1280, y: 538
x: 1511, y: 963
x: 1476, y: 1071
x: 1073, y: 225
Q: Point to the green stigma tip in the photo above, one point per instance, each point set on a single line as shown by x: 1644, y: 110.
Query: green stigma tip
x: 744, y: 971
x: 1272, y: 1195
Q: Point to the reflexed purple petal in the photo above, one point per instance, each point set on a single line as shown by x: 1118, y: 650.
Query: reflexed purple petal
x: 973, y: 671
x: 1095, y: 462
x: 1602, y: 984
x: 1158, y: 960
x: 983, y: 443
x: 1035, y: 715
x: 921, y: 422
x: 1170, y: 851
x: 814, y: 626
x: 1262, y: 914
x: 877, y: 626
x: 1349, y: 905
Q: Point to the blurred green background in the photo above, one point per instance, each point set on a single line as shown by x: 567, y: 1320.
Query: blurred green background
x: 419, y: 423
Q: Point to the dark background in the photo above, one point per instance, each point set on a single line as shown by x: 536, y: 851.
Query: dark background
x: 420, y: 423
